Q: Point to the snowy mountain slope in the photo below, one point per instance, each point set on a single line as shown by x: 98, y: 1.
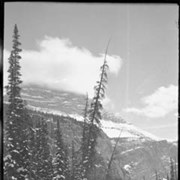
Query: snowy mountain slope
x: 127, y: 130
x: 72, y: 105
x: 112, y: 129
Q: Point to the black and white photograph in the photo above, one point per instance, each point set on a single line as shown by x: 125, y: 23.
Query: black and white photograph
x: 90, y: 91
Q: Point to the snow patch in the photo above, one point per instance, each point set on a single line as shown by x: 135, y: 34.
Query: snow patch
x: 127, y: 167
x: 7, y: 157
x: 129, y: 150
x: 36, y: 100
x: 27, y: 95
x: 21, y: 169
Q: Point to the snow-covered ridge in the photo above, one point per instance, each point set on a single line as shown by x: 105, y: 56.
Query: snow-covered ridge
x: 112, y: 129
x: 71, y: 105
x: 55, y: 112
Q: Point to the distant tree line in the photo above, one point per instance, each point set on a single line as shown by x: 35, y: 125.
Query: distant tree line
x: 171, y: 175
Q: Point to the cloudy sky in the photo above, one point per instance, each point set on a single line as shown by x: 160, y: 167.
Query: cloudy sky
x: 64, y: 43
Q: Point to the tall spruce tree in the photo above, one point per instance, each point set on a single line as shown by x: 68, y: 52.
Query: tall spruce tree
x: 175, y: 170
x: 33, y: 151
x: 78, y: 158
x: 16, y: 161
x: 60, y: 163
x: 29, y: 134
x: 66, y: 164
x: 43, y: 164
x: 156, y: 175
x: 34, y: 139
x: 172, y: 172
x: 73, y: 162
x: 84, y: 140
x: 95, y: 117
x: 85, y: 129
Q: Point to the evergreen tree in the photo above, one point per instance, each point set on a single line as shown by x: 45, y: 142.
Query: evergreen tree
x: 75, y: 171
x: 34, y: 147
x: 66, y: 164
x: 16, y: 161
x: 30, y: 139
x: 172, y: 172
x: 156, y: 175
x: 73, y: 159
x: 33, y: 151
x: 175, y: 170
x: 85, y: 129
x: 95, y: 117
x: 61, y: 161
x: 43, y: 168
x: 84, y: 140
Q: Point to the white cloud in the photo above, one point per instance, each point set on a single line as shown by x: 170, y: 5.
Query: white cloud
x: 61, y: 65
x: 163, y: 101
x: 108, y: 104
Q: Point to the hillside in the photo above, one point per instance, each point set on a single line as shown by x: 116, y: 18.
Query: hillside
x: 138, y: 153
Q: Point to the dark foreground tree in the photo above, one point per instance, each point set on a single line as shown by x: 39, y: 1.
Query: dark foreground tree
x: 16, y: 160
x: 172, y: 170
x: 61, y: 169
x: 76, y: 166
x: 94, y: 118
x: 84, y: 140
x: 156, y: 175
x: 33, y: 151
x: 43, y: 168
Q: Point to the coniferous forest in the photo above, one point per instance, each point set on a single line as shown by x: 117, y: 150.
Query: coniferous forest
x: 36, y: 149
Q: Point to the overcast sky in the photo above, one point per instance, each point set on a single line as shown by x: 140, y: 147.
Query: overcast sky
x: 64, y: 43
